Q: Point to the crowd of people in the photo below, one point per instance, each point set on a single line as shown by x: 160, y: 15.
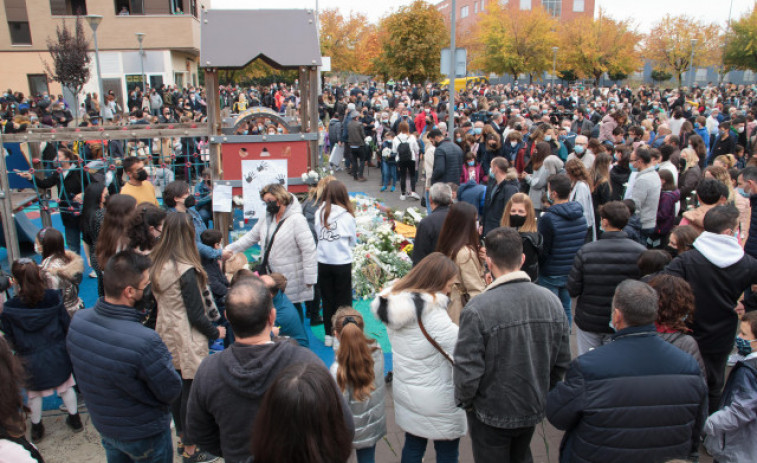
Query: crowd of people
x: 619, y: 215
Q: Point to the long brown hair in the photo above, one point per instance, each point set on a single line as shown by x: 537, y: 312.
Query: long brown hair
x: 113, y: 234
x: 676, y: 302
x: 578, y: 173
x: 520, y: 198
x: 540, y: 154
x: 30, y: 282
x: 459, y: 230
x: 354, y: 356
x: 335, y: 193
x: 600, y: 170
x: 12, y: 408
x: 431, y: 275
x: 177, y: 244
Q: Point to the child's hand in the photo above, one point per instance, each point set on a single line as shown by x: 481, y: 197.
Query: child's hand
x: 221, y: 332
x: 275, y: 330
x: 227, y: 255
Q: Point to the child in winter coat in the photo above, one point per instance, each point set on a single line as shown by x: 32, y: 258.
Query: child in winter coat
x: 730, y: 432
x: 217, y: 281
x: 62, y: 269
x: 359, y: 372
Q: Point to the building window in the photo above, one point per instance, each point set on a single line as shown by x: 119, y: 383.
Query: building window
x: 578, y: 6
x: 20, y: 32
x: 464, y: 12
x: 37, y: 84
x: 68, y: 7
x: 178, y: 79
x: 128, y: 7
x: 475, y: 7
x: 156, y: 81
x: 553, y: 7
x: 525, y: 4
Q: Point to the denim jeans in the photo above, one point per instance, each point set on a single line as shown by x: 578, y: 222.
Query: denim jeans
x: 447, y: 451
x: 72, y: 232
x: 366, y: 455
x: 388, y: 173
x: 586, y: 340
x: 646, y: 233
x: 492, y: 444
x: 558, y: 285
x: 156, y: 449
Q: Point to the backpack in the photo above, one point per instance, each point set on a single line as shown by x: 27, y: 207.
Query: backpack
x: 404, y: 152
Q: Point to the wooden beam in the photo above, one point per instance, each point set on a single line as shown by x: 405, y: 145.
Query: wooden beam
x: 130, y: 132
x: 315, y: 155
x: 221, y: 220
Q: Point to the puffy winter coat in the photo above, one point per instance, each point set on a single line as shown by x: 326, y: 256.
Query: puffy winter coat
x: 132, y: 401
x: 293, y: 253
x: 448, y: 163
x: 666, y: 211
x: 731, y: 430
x: 369, y: 414
x: 563, y: 228
x: 496, y: 198
x: 66, y: 277
x: 38, y: 335
x: 424, y: 401
x: 598, y: 268
x: 636, y: 399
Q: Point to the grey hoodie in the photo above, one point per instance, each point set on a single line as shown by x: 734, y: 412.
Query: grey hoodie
x: 227, y: 391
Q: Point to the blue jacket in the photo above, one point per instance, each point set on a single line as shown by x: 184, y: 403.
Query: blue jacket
x: 288, y: 318
x: 474, y: 194
x: 702, y: 132
x: 124, y: 372
x: 751, y: 242
x: 38, y: 335
x: 202, y: 195
x: 563, y: 228
x: 638, y: 398
x: 206, y: 252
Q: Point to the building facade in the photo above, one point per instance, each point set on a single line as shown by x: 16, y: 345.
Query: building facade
x: 468, y: 11
x: 171, y: 43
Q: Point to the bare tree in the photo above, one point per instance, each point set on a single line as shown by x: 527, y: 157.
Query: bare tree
x: 70, y: 59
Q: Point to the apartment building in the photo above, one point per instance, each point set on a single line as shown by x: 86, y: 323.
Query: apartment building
x: 171, y: 42
x: 468, y: 11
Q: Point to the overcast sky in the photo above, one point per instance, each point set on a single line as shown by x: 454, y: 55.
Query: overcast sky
x: 643, y: 12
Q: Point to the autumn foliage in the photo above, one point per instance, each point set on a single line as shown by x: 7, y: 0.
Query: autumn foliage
x: 741, y: 42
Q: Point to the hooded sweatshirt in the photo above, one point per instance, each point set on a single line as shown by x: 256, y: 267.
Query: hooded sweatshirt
x: 337, y: 240
x: 227, y: 391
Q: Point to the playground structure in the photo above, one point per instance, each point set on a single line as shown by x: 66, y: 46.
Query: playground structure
x: 299, y: 50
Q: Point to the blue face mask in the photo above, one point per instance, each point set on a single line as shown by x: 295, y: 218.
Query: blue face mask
x: 459, y: 140
x: 743, y: 346
x: 579, y: 149
x: 547, y: 137
x: 742, y: 192
x: 634, y: 169
x: 478, y: 130
x: 472, y: 163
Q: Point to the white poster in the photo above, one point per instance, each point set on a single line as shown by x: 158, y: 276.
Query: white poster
x: 255, y: 175
x: 221, y: 198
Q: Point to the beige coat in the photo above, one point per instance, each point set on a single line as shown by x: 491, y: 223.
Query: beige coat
x: 472, y: 273
x: 187, y: 345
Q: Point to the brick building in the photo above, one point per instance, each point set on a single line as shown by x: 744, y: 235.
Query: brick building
x: 468, y: 11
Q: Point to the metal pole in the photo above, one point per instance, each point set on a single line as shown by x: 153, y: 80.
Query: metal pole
x: 691, y: 64
x: 140, y: 37
x: 99, y: 76
x: 6, y: 209
x: 451, y: 110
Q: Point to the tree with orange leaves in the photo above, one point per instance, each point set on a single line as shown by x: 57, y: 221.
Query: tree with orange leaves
x: 345, y: 40
x: 592, y: 46
x: 671, y: 41
x: 515, y: 41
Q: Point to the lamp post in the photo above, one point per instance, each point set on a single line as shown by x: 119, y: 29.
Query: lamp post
x: 140, y: 38
x: 691, y: 62
x: 554, y: 65
x: 94, y: 21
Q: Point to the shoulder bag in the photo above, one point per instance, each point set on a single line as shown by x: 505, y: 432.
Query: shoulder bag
x: 262, y: 268
x: 418, y: 301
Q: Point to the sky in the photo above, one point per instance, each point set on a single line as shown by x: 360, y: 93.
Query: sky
x: 643, y: 12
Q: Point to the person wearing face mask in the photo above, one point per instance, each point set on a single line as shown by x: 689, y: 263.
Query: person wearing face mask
x: 503, y: 184
x: 138, y: 186
x: 719, y: 272
x: 286, y: 242
x: 139, y: 422
x: 581, y: 152
x: 729, y: 432
x: 725, y: 142
x: 520, y: 214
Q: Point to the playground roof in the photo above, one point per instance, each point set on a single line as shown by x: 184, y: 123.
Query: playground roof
x: 282, y: 38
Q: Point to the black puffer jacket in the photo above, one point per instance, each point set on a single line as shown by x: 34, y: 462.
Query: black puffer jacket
x: 636, y: 399
x: 497, y: 197
x: 448, y: 163
x: 597, y: 269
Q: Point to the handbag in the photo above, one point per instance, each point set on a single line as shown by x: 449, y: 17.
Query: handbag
x: 418, y: 301
x: 464, y: 295
x: 262, y: 268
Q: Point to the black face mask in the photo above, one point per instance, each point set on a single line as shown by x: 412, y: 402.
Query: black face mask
x: 190, y: 201
x: 671, y: 250
x: 272, y: 207
x: 517, y: 221
x: 141, y: 175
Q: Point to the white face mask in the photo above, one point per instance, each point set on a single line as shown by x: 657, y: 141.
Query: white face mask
x: 513, y: 144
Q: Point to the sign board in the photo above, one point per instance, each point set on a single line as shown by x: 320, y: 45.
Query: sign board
x: 325, y: 64
x: 461, y: 58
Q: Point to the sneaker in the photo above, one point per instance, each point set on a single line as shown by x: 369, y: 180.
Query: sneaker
x: 316, y: 320
x: 38, y: 432
x: 383, y: 188
x: 403, y: 197
x: 362, y: 179
x: 328, y: 341
x: 414, y: 195
x: 93, y: 274
x: 336, y: 344
x: 198, y: 457
x: 74, y: 422
x: 392, y: 189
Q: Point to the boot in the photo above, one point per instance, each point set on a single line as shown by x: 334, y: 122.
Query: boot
x: 74, y: 422
x: 38, y: 432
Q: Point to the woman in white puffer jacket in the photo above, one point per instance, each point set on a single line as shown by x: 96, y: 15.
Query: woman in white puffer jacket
x: 424, y: 401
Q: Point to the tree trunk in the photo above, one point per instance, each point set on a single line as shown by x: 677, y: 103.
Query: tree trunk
x: 680, y: 74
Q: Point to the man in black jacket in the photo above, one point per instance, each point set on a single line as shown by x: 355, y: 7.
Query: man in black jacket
x: 598, y: 268
x: 427, y: 234
x: 448, y: 159
x: 719, y: 272
x: 500, y: 189
x: 638, y: 398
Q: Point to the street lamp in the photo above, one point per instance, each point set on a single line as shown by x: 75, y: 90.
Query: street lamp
x: 94, y: 21
x: 140, y: 38
x: 691, y: 62
x: 554, y: 65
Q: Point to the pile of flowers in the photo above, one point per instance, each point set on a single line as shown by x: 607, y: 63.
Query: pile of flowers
x: 312, y: 177
x: 381, y: 255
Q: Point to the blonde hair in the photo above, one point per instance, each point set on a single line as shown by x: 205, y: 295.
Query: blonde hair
x: 277, y: 191
x: 692, y: 159
x: 520, y: 198
x: 728, y: 160
x: 316, y: 192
